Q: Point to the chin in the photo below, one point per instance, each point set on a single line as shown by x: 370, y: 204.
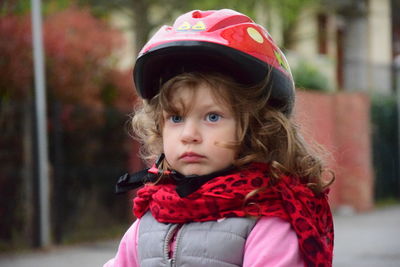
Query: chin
x: 189, y: 173
x: 193, y: 171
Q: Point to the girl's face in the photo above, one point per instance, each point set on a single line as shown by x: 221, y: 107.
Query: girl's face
x: 193, y: 139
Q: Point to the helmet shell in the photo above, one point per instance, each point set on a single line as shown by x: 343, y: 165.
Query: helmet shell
x: 224, y: 41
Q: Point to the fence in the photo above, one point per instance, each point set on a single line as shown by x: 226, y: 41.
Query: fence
x: 89, y: 150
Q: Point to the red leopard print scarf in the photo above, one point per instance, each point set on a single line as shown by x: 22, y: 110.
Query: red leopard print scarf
x: 223, y: 197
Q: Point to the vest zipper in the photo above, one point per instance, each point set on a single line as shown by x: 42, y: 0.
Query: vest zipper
x: 177, y: 239
x: 168, y: 239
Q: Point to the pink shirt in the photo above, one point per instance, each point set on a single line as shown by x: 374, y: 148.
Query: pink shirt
x: 272, y: 242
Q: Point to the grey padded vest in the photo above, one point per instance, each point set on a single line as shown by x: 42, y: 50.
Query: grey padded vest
x: 215, y: 243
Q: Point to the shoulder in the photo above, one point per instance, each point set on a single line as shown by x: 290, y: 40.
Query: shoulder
x: 272, y: 242
x: 272, y: 229
x: 273, y: 224
x: 131, y: 233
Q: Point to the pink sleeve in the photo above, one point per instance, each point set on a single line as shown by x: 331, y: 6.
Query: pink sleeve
x: 127, y: 250
x: 272, y: 242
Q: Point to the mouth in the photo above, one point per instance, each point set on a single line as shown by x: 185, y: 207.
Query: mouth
x: 191, y: 157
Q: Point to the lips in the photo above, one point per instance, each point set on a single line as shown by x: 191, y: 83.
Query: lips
x: 191, y: 157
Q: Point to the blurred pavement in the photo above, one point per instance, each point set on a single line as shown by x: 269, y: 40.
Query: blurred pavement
x: 370, y: 240
x: 87, y: 255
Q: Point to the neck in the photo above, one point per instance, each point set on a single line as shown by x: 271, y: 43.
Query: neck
x: 188, y: 184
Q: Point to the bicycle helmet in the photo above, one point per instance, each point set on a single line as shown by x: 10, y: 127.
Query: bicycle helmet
x: 225, y: 41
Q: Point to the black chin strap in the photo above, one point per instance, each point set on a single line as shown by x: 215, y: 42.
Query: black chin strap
x: 185, y: 185
x: 135, y: 180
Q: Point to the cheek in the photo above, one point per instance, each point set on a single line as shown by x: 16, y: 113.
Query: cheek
x: 164, y: 139
x: 168, y: 142
x: 233, y: 133
x: 223, y: 139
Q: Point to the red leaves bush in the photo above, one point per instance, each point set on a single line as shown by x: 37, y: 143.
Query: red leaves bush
x: 15, y: 56
x: 80, y: 49
x: 79, y: 60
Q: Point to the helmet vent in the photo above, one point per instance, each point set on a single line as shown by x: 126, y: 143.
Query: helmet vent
x: 200, y: 14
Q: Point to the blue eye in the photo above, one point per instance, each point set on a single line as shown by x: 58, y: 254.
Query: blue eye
x: 212, y: 117
x: 176, y: 118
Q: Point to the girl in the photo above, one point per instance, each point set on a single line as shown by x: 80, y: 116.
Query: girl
x: 234, y: 183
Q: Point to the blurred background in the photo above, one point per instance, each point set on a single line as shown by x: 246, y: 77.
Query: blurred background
x: 344, y: 55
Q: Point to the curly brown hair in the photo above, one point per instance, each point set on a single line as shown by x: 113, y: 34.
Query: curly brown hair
x: 265, y: 134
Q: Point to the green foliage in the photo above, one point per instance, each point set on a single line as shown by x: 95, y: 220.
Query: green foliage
x: 21, y: 7
x: 14, y: 7
x: 52, y: 6
x: 307, y: 76
x: 385, y: 134
x: 246, y: 7
x: 290, y: 11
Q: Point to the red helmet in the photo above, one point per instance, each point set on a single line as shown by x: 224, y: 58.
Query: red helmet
x: 224, y: 41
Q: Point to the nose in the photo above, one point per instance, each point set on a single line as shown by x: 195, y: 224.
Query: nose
x: 191, y: 132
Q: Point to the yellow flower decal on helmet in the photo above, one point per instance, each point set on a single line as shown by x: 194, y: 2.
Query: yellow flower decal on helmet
x: 184, y: 26
x: 200, y: 26
x: 281, y: 60
x: 255, y: 35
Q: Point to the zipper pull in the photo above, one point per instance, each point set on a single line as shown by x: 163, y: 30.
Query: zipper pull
x: 171, y: 262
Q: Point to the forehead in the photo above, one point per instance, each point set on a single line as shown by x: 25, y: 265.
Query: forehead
x: 199, y: 91
x: 187, y: 95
